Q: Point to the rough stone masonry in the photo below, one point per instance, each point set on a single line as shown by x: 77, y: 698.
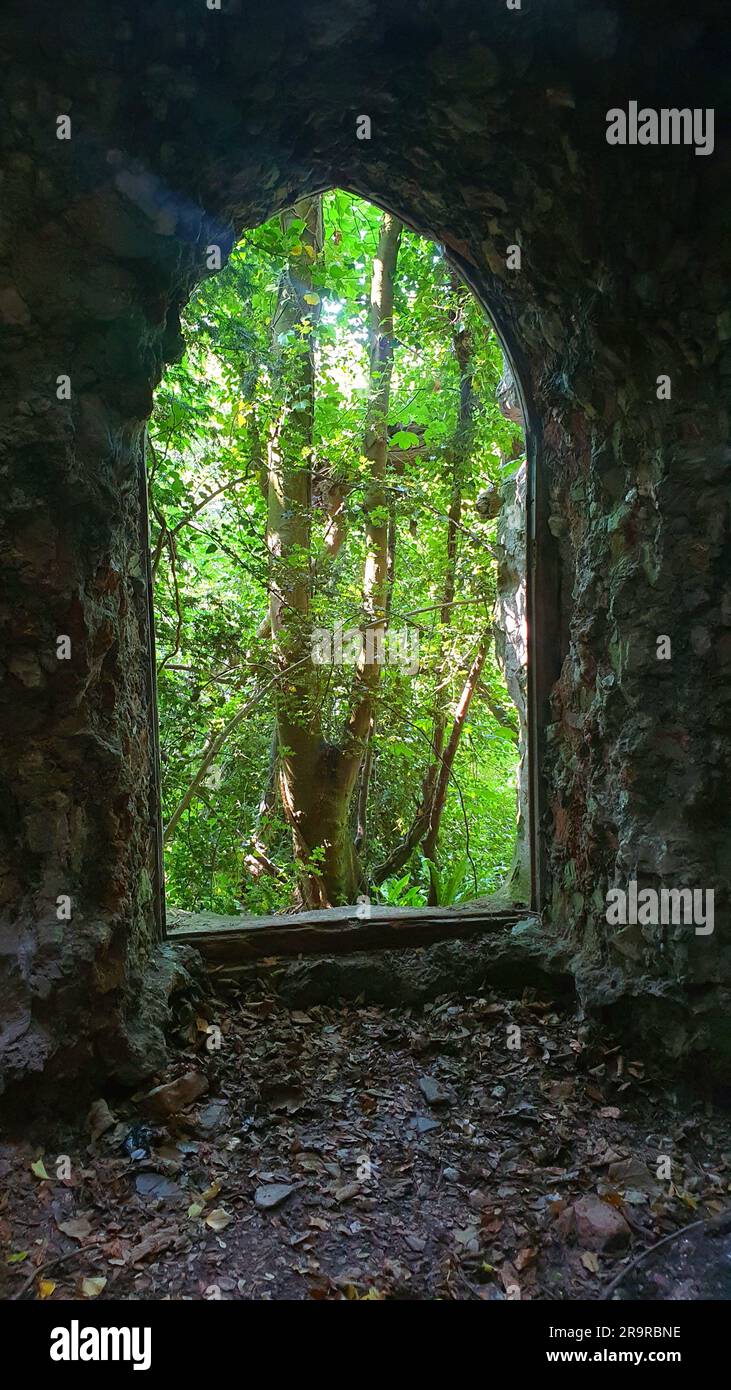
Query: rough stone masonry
x: 133, y: 139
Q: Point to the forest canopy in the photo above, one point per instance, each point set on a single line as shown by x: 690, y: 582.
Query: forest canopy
x: 324, y: 469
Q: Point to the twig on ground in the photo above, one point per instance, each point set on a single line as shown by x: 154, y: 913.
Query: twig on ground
x: 51, y: 1264
x: 682, y: 1230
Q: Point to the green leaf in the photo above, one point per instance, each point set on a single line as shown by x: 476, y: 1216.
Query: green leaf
x: 404, y: 439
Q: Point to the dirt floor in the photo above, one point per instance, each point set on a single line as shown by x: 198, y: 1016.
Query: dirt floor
x: 471, y: 1148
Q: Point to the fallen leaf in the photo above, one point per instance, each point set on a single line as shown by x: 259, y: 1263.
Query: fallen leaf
x: 100, y: 1119
x: 346, y: 1191
x: 91, y: 1288
x: 218, y: 1219
x: 78, y: 1228
x: 635, y: 1197
x: 170, y: 1153
x: 562, y: 1090
x: 415, y: 1243
x: 590, y: 1261
x: 152, y: 1244
x: 45, y: 1288
x: 272, y: 1194
x: 633, y: 1173
x: 422, y: 1124
x: 287, y: 1098
x: 687, y: 1199
x: 310, y: 1163
x: 176, y: 1095
x: 490, y: 1225
x: 39, y: 1170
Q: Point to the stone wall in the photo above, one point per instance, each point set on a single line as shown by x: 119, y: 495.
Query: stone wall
x: 511, y: 628
x: 487, y: 131
x: 511, y: 644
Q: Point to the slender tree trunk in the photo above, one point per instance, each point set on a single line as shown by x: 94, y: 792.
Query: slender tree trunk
x: 375, y: 570
x: 314, y: 785
x: 364, y: 784
x: 461, y: 452
x: 447, y: 761
x: 435, y: 784
x: 425, y: 827
x: 317, y: 779
x: 289, y: 458
x: 380, y: 519
x: 367, y: 765
x: 336, y: 520
x: 257, y: 859
x: 454, y: 517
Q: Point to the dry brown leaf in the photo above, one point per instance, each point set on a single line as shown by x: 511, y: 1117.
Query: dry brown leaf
x: 152, y: 1244
x: 218, y: 1219
x: 510, y: 1282
x: 347, y: 1190
x: 91, y: 1288
x: 100, y: 1119
x: 78, y: 1228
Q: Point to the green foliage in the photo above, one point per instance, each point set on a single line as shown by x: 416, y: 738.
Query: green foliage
x: 208, y: 443
x: 401, y: 892
x: 452, y: 884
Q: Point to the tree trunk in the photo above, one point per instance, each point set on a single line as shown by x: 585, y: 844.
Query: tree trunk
x: 435, y: 784
x: 316, y: 793
x: 257, y: 860
x: 375, y: 572
x: 289, y: 490
x: 445, y: 770
x: 364, y: 783
x: 317, y: 779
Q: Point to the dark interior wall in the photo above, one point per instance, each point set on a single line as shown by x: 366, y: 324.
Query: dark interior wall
x: 488, y: 129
